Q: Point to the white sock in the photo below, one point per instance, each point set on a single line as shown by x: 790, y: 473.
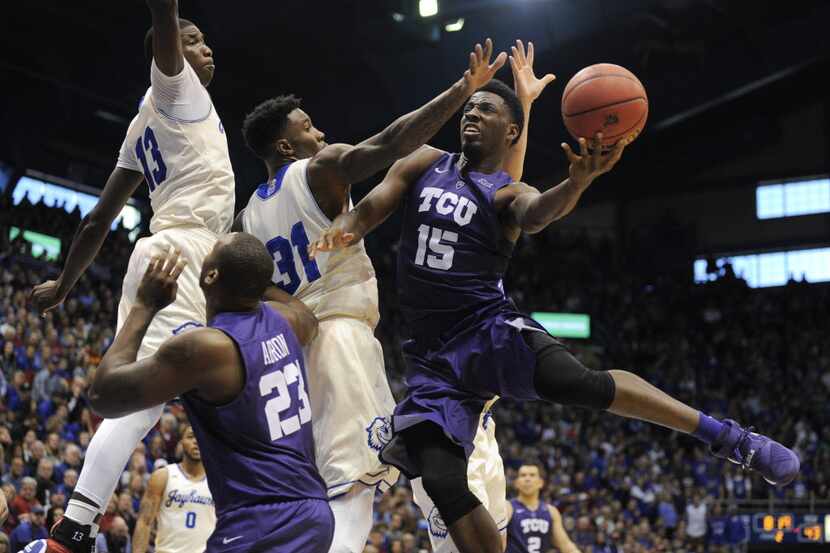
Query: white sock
x: 107, y: 455
x: 80, y: 512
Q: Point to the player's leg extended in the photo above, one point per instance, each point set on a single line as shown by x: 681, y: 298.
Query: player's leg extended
x: 352, y: 519
x: 560, y: 378
x: 485, y: 478
x: 443, y: 465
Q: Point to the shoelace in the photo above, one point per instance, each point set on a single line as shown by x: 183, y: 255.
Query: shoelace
x: 746, y: 461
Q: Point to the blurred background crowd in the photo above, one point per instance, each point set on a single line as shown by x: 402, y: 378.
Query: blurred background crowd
x: 757, y: 355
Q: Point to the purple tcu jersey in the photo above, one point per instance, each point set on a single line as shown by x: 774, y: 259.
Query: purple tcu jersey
x: 529, y: 531
x: 258, y: 449
x: 453, y: 251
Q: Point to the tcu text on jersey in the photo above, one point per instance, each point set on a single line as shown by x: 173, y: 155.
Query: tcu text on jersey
x: 461, y: 208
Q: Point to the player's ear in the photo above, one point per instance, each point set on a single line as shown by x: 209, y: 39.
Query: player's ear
x: 512, y: 133
x: 211, y: 276
x: 285, y: 148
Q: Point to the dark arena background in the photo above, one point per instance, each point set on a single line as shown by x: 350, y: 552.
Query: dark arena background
x: 701, y: 262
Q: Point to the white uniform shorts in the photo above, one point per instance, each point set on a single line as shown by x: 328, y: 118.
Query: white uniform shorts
x: 351, y: 404
x: 485, y: 477
x: 188, y: 310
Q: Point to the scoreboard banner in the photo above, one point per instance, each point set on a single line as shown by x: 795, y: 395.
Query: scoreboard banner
x: 787, y: 528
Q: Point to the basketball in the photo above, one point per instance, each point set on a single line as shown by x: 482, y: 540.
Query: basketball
x: 604, y: 98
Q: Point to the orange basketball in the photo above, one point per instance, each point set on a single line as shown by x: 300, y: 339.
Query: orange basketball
x: 604, y: 98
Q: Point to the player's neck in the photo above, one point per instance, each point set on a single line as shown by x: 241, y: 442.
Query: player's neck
x: 530, y: 501
x: 194, y: 470
x: 486, y: 165
x: 274, y: 165
x: 215, y: 307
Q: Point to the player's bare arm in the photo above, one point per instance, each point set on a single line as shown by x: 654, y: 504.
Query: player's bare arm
x: 149, y: 510
x: 349, y: 228
x: 525, y: 209
x: 204, y: 360
x: 528, y: 87
x: 167, y: 44
x: 559, y: 537
x: 88, y: 239
x: 337, y: 166
x: 299, y: 317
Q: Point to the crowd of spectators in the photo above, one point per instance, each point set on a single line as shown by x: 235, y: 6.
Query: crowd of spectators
x: 757, y: 356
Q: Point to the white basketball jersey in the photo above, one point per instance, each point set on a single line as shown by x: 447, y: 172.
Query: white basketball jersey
x: 185, y: 164
x: 186, y: 516
x: 284, y: 215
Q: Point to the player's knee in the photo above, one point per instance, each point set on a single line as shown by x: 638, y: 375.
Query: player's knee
x: 451, y: 494
x: 561, y: 378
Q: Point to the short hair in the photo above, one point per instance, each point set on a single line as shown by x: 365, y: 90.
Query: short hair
x: 267, y: 122
x: 28, y: 480
x: 537, y: 466
x: 148, y: 37
x: 245, y: 267
x: 514, y: 106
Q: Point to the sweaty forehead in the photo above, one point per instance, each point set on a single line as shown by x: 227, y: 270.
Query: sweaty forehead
x: 484, y: 97
x: 297, y: 117
x: 190, y: 30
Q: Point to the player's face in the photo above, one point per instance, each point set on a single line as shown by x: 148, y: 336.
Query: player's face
x: 529, y: 481
x: 197, y: 53
x: 302, y: 136
x: 190, y: 447
x: 485, y: 125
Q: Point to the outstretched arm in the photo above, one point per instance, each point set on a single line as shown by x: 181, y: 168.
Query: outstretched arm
x: 341, y: 165
x: 149, y: 510
x: 167, y: 45
x: 532, y: 211
x: 558, y: 535
x: 195, y: 360
x: 528, y: 88
x: 88, y: 238
x: 350, y: 228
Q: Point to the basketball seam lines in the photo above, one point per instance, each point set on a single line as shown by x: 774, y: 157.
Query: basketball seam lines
x: 580, y: 83
x: 605, y: 106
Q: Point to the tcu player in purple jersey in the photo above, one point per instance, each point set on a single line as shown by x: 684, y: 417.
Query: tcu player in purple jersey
x: 242, y: 380
x: 535, y: 526
x: 462, y: 217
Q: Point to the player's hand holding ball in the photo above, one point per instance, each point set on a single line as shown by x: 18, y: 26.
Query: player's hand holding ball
x: 158, y: 286
x: 481, y: 70
x: 588, y: 165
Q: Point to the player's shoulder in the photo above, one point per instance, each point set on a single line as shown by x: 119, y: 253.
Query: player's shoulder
x: 159, y: 478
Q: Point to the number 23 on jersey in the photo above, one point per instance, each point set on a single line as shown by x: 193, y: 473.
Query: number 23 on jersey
x: 278, y: 381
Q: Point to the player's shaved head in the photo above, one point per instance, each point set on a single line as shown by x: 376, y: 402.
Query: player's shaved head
x: 148, y: 37
x: 267, y: 123
x: 243, y: 266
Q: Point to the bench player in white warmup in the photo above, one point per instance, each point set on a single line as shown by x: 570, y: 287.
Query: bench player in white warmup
x: 178, y: 500
x: 178, y: 145
x: 308, y: 185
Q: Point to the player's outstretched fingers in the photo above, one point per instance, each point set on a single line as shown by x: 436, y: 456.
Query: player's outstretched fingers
x: 583, y: 147
x: 178, y: 268
x: 152, y: 267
